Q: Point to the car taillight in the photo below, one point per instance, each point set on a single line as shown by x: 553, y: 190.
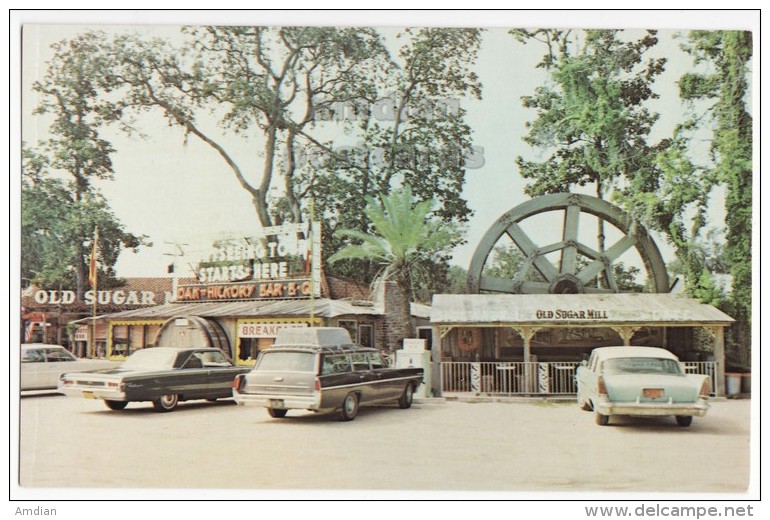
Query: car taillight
x: 317, y: 385
x: 238, y: 381
x: 600, y: 386
x: 705, y: 388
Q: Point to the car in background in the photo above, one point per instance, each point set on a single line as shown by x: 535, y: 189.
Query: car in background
x: 640, y: 381
x: 42, y: 364
x: 320, y: 369
x: 164, y: 376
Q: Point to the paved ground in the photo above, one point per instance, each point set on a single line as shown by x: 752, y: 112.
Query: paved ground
x: 489, y: 446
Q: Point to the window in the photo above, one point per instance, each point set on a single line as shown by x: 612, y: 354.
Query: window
x: 376, y: 360
x: 351, y: 326
x: 57, y: 354
x: 213, y: 359
x: 366, y: 335
x: 641, y: 366
x: 287, y: 361
x: 335, y: 364
x: 33, y: 356
x: 360, y: 361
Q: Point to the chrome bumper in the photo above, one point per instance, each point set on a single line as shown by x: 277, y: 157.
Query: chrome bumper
x: 285, y: 402
x: 90, y: 392
x: 696, y: 409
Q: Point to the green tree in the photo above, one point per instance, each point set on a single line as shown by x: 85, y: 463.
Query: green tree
x: 253, y: 82
x: 591, y: 116
x: 725, y: 87
x: 405, y: 242
x: 70, y: 94
x: 57, y: 230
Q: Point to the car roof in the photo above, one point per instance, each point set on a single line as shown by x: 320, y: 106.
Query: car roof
x: 626, y: 351
x: 28, y: 346
x: 341, y: 349
x: 180, y: 349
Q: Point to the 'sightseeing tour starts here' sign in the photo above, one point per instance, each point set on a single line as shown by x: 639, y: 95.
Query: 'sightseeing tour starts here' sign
x: 283, y: 262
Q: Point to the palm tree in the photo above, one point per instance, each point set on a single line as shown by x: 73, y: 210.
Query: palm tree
x: 405, y: 240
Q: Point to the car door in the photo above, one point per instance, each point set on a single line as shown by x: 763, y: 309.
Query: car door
x: 219, y: 373
x: 363, y: 376
x: 57, y: 362
x: 386, y: 386
x: 587, y: 376
x: 337, y: 379
x: 32, y: 369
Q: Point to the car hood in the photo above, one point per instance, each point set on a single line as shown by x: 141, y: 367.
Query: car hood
x: 630, y: 387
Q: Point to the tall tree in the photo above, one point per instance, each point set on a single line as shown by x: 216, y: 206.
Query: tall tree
x: 725, y: 86
x: 70, y: 94
x: 405, y: 241
x: 57, y: 229
x: 256, y: 82
x: 591, y: 115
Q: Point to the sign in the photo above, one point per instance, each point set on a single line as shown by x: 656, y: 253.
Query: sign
x: 572, y: 314
x: 245, y: 291
x: 116, y: 297
x: 81, y: 333
x: 282, y: 262
x: 265, y: 330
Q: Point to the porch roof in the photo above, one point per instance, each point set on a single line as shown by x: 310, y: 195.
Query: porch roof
x: 569, y: 310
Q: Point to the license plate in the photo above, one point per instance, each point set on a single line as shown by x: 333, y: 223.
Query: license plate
x: 89, y: 395
x: 275, y: 403
x: 653, y: 393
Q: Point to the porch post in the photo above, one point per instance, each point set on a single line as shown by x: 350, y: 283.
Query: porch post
x: 526, y: 334
x: 719, y: 356
x: 435, y: 354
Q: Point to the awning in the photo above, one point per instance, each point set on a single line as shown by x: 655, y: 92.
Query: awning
x: 636, y: 309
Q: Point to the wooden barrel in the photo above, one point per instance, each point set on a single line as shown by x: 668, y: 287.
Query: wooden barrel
x: 193, y: 331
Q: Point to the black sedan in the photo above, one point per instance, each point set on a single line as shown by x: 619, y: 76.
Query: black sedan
x: 163, y: 375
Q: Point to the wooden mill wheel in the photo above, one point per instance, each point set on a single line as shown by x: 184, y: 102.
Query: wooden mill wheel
x: 570, y: 276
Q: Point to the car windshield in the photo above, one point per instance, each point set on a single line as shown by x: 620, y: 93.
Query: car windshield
x: 286, y: 362
x: 151, y: 358
x: 641, y: 366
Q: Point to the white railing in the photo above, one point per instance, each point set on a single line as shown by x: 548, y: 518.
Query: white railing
x: 526, y: 378
x: 509, y: 377
x: 707, y: 368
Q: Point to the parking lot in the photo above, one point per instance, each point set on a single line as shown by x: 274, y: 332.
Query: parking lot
x: 454, y: 445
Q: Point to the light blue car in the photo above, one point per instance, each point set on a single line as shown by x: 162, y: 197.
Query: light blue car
x: 640, y: 381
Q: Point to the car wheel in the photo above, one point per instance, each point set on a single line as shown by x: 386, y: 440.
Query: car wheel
x: 166, y: 403
x: 349, y: 408
x: 115, y: 405
x: 684, y: 420
x: 277, y: 413
x: 405, y: 401
x: 602, y: 420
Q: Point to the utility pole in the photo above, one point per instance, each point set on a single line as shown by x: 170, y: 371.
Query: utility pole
x: 177, y: 252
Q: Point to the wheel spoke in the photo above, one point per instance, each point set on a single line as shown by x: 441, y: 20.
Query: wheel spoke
x: 610, y: 255
x: 528, y: 247
x: 570, y: 236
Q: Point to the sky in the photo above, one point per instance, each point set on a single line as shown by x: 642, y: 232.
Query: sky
x: 181, y: 192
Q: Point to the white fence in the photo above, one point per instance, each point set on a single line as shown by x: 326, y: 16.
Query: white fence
x: 525, y: 378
